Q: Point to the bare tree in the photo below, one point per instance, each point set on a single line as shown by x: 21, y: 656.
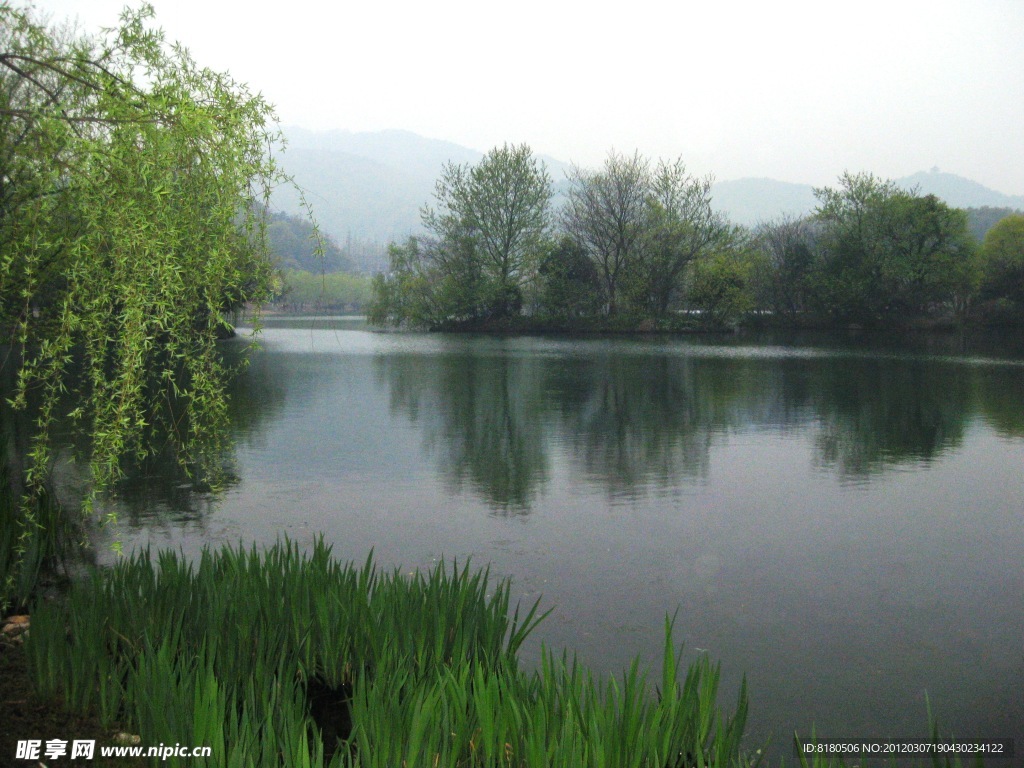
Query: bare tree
x: 605, y: 214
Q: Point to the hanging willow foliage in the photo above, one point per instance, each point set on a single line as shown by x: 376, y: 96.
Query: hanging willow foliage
x: 132, y: 189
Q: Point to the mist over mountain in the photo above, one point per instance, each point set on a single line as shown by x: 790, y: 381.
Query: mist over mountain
x: 364, y: 185
x: 372, y: 185
x: 958, y: 191
x: 750, y: 201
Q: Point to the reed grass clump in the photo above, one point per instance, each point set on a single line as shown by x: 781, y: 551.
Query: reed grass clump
x: 286, y: 658
x: 37, y: 537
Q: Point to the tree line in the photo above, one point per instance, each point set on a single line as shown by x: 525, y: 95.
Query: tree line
x: 637, y: 244
x: 312, y: 272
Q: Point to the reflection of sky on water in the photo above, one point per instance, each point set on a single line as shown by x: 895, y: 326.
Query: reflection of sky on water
x: 845, y: 529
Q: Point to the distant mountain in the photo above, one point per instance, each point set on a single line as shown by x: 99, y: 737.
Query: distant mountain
x: 370, y: 186
x: 415, y: 155
x: 958, y: 191
x: 364, y: 185
x: 749, y: 201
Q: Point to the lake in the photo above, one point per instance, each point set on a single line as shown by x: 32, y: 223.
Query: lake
x: 840, y: 518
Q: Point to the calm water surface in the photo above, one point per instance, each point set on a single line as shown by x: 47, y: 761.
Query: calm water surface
x: 841, y: 520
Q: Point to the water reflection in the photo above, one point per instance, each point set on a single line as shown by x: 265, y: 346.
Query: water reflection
x: 632, y: 422
x: 481, y: 420
x: 999, y: 394
x: 159, y: 490
x: 873, y: 415
x: 840, y: 521
x: 499, y: 418
x: 639, y: 419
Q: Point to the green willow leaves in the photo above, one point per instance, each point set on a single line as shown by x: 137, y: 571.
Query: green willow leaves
x: 132, y: 186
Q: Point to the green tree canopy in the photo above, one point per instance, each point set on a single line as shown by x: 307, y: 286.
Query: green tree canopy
x: 405, y: 294
x: 132, y: 185
x: 722, y: 281
x: 499, y: 212
x: 888, y: 255
x: 788, y: 248
x: 680, y: 227
x: 488, y: 230
x: 1002, y: 260
x: 642, y: 228
x: 569, y: 287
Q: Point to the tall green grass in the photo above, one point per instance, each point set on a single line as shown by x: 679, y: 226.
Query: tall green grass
x: 285, y: 658
x: 37, y: 536
x: 228, y: 648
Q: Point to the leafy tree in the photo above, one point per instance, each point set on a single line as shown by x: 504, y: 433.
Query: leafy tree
x: 133, y: 185
x: 569, y: 286
x: 888, y: 255
x: 788, y: 248
x: 679, y: 227
x: 488, y: 230
x: 641, y: 228
x: 428, y: 285
x: 931, y: 265
x: 1002, y: 260
x: 606, y: 215
x: 722, y: 284
x: 404, y: 295
x: 491, y: 221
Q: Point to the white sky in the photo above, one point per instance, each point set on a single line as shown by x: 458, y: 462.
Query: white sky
x: 797, y: 90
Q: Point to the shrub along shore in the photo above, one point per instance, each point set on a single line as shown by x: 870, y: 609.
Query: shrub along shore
x: 283, y: 658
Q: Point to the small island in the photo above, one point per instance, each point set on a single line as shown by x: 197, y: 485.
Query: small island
x: 636, y: 246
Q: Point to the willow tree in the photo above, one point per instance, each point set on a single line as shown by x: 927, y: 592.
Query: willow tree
x: 132, y: 183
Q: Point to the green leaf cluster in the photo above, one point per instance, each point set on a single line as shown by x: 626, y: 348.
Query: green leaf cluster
x: 887, y: 255
x: 488, y: 229
x: 1002, y: 262
x: 132, y: 185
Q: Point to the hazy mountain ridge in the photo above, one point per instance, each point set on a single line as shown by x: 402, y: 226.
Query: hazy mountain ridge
x: 959, y: 191
x: 749, y: 201
x: 372, y: 185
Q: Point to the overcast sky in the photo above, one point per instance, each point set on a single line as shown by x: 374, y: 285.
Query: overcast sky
x: 793, y: 90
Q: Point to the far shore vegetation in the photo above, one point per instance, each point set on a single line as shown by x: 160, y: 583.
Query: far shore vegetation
x: 637, y: 246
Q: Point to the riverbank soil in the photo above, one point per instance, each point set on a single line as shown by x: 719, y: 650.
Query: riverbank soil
x: 23, y: 715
